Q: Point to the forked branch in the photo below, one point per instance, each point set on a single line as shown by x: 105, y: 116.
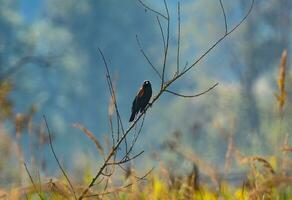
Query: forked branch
x: 164, y: 84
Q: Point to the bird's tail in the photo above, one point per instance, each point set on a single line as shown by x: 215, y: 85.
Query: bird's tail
x: 132, y: 116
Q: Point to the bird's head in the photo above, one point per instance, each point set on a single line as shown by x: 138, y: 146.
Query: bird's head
x: 146, y: 83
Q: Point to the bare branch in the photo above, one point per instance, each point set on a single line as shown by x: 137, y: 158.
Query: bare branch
x: 149, y: 8
x: 166, y: 47
x: 111, y: 88
x: 178, y: 37
x: 243, y: 19
x: 216, y: 43
x: 107, y: 175
x: 144, y: 54
x: 161, y: 31
x: 137, y: 177
x: 114, y: 149
x: 163, y: 89
x: 224, y: 15
x: 56, y: 158
x: 134, y: 139
x: 185, y: 66
x: 126, y: 159
x: 112, y: 92
x: 112, y: 129
x: 192, y: 96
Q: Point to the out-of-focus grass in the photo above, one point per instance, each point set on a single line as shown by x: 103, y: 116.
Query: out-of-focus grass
x: 267, y: 177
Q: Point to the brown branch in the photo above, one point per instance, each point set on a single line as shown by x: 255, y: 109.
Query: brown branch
x: 192, y: 96
x: 56, y: 158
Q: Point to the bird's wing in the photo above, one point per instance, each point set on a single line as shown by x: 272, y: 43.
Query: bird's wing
x: 141, y: 92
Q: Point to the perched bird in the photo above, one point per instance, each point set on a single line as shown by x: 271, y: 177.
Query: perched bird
x: 141, y: 100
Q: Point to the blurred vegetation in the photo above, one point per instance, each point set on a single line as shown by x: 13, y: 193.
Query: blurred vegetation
x: 232, y: 143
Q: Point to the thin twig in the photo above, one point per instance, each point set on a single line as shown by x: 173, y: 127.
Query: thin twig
x: 155, y: 98
x: 185, y: 66
x: 107, y: 175
x: 166, y: 47
x: 135, y: 138
x: 161, y: 31
x: 125, y: 160
x: 137, y: 177
x: 56, y: 158
x: 216, y: 43
x: 31, y: 180
x: 112, y: 129
x: 224, y: 15
x: 144, y: 54
x: 192, y: 96
x: 178, y: 37
x: 114, y: 149
x: 112, y: 92
x: 149, y: 8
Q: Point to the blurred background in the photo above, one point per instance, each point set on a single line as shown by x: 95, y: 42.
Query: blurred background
x: 49, y: 65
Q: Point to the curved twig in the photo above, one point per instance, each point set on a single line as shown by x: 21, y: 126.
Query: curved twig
x: 151, y: 9
x: 192, y: 96
x: 126, y: 160
x: 144, y: 54
x: 56, y: 158
x: 31, y: 180
x: 166, y: 47
x: 161, y: 31
x: 163, y: 89
x: 215, y: 44
x: 224, y: 15
x: 113, y: 95
x: 178, y: 38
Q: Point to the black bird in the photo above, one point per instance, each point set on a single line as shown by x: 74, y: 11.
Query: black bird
x: 141, y: 100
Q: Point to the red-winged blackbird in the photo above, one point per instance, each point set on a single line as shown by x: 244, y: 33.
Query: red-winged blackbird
x: 141, y: 100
